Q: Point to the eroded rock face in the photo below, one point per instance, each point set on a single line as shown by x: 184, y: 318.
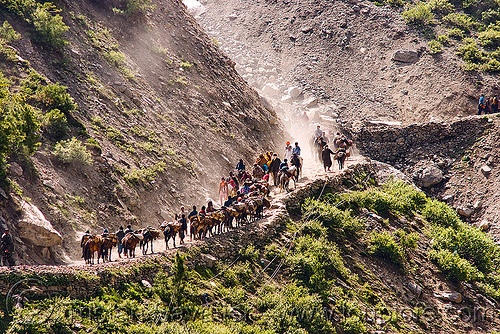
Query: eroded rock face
x: 37, y: 230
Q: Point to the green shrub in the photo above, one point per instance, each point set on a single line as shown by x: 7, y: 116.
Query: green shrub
x: 340, y: 223
x: 8, y: 33
x: 115, y: 57
x: 470, y: 52
x: 440, y: 6
x: 460, y: 20
x: 443, y: 39
x: 455, y: 267
x: 439, y: 213
x: 490, y: 15
x: 353, y: 325
x: 490, y: 38
x: 490, y: 65
x: 382, y: 244
x: 419, y: 15
x: 137, y: 7
x: 456, y: 33
x: 55, y: 96
x: 470, y: 243
x: 72, y: 150
x: 435, y: 47
x: 407, y: 240
x: 249, y: 253
x: 51, y: 28
x: 55, y: 124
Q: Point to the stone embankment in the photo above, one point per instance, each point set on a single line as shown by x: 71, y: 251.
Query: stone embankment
x: 423, y: 151
x: 85, y: 280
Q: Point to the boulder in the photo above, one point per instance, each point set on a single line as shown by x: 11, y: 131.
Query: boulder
x: 294, y: 92
x: 415, y: 288
x: 16, y: 169
x: 209, y: 260
x: 454, y: 297
x: 310, y: 102
x: 146, y: 284
x: 484, y: 225
x: 405, y: 56
x: 286, y: 98
x: 34, y: 228
x: 486, y: 170
x: 270, y: 90
x: 431, y: 175
x: 465, y: 211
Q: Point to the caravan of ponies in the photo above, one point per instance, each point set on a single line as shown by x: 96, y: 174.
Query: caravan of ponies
x: 246, y: 209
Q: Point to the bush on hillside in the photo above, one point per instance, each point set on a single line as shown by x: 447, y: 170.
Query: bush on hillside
x: 460, y: 20
x: 490, y: 38
x: 55, y: 124
x: 55, y: 96
x: 435, y: 47
x: 8, y: 34
x: 382, y: 244
x: 419, y: 15
x: 453, y: 266
x: 72, y: 150
x: 439, y: 213
x: 456, y: 33
x: 440, y: 6
x: 51, y: 28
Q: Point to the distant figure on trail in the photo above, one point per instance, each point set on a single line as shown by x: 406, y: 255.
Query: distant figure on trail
x: 202, y: 212
x: 296, y: 162
x: 326, y: 157
x: 318, y: 132
x: 7, y: 248
x: 288, y: 151
x: 85, y: 237
x: 210, y: 207
x: 488, y: 106
x: 494, y: 105
x: 223, y: 191
x: 296, y: 149
x: 340, y: 156
x: 336, y: 140
x: 284, y: 165
x: 481, y: 105
x: 274, y: 168
x: 240, y: 166
x: 120, y: 234
x: 182, y: 212
x: 184, y: 227
x: 233, y: 178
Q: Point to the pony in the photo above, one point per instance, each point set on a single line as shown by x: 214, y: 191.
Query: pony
x: 150, y: 235
x: 170, y: 230
x: 91, y: 246
x: 285, y: 178
x: 129, y: 243
x: 340, y: 156
x: 108, y: 243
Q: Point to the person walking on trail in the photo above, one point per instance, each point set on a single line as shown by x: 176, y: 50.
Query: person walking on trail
x: 481, y: 105
x: 488, y: 106
x: 128, y: 230
x: 7, y: 248
x: 288, y: 151
x: 240, y: 166
x: 193, y: 213
x: 274, y: 168
x: 318, y: 132
x: 223, y: 191
x: 326, y: 156
x: 120, y: 234
x: 494, y: 105
x: 184, y: 227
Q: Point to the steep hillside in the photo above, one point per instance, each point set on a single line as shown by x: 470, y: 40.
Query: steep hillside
x: 343, y: 53
x: 344, y: 255
x: 161, y: 110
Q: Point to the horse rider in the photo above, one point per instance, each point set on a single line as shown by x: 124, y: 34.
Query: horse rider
x: 85, y: 237
x: 193, y: 213
x: 296, y: 162
x: 128, y: 230
x: 318, y: 132
x: 296, y: 150
x: 7, y: 248
x: 120, y: 234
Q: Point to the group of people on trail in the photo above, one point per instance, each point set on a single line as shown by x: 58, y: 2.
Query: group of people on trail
x: 7, y: 248
x: 487, y: 106
x: 341, y: 146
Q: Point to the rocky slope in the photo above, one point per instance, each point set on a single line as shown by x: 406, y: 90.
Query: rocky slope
x: 343, y: 53
x: 162, y: 110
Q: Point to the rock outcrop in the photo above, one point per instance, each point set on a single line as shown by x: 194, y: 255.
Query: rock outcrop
x: 36, y: 229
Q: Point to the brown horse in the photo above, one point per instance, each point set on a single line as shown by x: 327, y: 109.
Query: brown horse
x: 285, y: 177
x: 91, y: 246
x: 170, y: 230
x: 129, y: 243
x: 150, y: 235
x: 109, y: 242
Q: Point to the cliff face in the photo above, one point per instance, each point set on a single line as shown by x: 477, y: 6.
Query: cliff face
x: 160, y: 108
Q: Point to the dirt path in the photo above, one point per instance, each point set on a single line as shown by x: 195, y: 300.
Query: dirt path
x: 312, y: 170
